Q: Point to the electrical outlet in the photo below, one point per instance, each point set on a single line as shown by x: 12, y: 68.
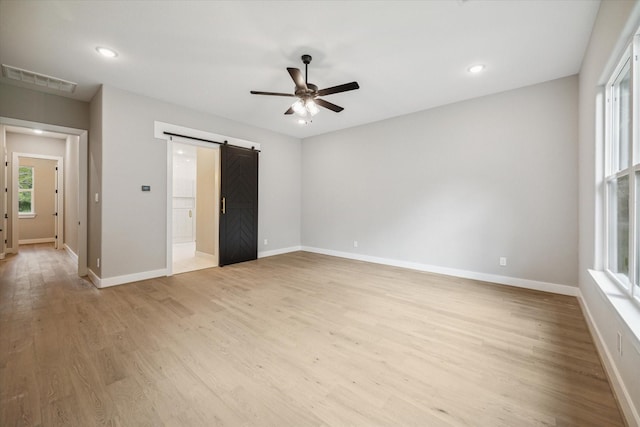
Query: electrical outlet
x: 355, y: 243
x: 266, y: 242
x: 619, y: 343
x: 98, y: 262
x: 97, y: 197
x: 503, y: 261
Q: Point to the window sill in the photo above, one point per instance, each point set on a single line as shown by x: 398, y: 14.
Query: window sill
x: 628, y: 310
x: 26, y: 216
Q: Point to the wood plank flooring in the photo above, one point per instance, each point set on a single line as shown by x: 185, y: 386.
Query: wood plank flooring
x: 292, y: 340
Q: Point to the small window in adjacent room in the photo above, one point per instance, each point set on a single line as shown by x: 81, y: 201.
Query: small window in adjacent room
x: 622, y: 175
x: 26, y: 200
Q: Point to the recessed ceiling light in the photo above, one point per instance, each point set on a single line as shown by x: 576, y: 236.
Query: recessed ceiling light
x: 105, y: 51
x: 476, y: 68
x: 38, y: 131
x: 180, y: 152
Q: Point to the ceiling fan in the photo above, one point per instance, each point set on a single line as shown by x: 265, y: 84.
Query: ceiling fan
x: 308, y: 93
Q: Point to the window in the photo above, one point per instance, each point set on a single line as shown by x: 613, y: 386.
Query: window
x: 622, y: 172
x: 26, y: 200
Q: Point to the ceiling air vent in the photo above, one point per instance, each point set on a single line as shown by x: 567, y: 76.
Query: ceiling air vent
x: 38, y: 79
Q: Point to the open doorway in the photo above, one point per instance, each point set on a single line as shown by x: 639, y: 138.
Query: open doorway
x: 32, y: 152
x: 194, y: 207
x: 37, y: 197
x: 210, y: 204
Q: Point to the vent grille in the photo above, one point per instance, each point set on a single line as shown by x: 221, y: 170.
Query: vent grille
x: 38, y: 79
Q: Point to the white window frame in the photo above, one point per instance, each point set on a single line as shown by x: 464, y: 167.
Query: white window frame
x: 630, y: 56
x: 31, y: 214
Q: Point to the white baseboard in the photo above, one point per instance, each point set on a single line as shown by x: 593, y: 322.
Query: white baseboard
x: 72, y: 254
x: 33, y: 241
x: 629, y: 411
x: 493, y: 278
x: 264, y: 254
x: 93, y: 277
x: 126, y: 278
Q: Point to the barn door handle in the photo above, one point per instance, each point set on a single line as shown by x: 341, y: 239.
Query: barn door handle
x: 224, y: 205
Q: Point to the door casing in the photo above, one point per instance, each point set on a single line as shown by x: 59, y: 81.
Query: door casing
x: 59, y: 199
x: 170, y: 143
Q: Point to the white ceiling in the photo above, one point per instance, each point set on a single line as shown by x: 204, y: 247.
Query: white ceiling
x: 407, y: 56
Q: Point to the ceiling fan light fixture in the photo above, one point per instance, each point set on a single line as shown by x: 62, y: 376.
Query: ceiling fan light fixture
x: 311, y: 106
x: 299, y: 108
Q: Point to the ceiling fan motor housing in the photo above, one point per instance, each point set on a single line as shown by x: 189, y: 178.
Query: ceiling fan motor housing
x: 310, y: 92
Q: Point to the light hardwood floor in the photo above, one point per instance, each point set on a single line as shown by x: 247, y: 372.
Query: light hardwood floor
x: 292, y: 340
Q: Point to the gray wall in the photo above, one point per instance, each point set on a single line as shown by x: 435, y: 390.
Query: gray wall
x: 26, y: 104
x: 133, y: 223
x: 609, y: 36
x: 457, y: 186
x: 30, y: 144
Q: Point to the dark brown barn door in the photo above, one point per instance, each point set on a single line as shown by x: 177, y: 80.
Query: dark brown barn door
x: 238, y: 204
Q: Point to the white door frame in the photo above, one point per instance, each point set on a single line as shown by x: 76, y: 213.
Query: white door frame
x: 170, y: 143
x: 4, y: 211
x: 59, y: 221
x: 83, y: 178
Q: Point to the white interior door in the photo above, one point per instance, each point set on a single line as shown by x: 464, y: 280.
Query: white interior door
x: 183, y: 219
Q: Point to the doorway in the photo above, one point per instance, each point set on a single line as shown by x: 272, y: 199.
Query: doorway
x: 210, y: 205
x: 31, y: 140
x: 38, y: 200
x: 194, y: 207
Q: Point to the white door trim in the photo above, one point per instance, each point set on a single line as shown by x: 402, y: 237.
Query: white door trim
x: 160, y: 127
x: 59, y: 221
x: 169, y: 208
x: 170, y: 141
x: 4, y: 209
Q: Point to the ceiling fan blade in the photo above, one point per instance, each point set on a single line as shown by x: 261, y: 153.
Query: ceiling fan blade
x: 340, y: 88
x: 256, y: 92
x: 297, y: 77
x: 330, y: 106
x: 289, y: 111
